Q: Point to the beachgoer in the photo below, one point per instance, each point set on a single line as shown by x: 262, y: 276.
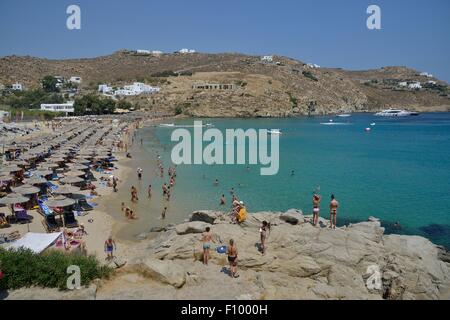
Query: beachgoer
x: 222, y: 200
x: 206, y: 239
x: 149, y: 191
x: 164, y: 189
x: 123, y: 206
x: 316, y: 208
x: 139, y: 173
x: 264, y: 230
x: 163, y: 214
x: 216, y: 182
x: 114, y: 182
x: 292, y: 173
x: 110, y: 246
x: 232, y: 258
x: 334, y: 204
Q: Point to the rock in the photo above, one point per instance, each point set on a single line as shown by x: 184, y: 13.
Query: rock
x: 208, y: 216
x: 373, y: 219
x: 191, y: 227
x: 157, y: 229
x: 162, y: 271
x: 292, y: 216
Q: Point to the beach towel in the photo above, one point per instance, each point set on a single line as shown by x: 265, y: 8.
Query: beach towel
x: 221, y: 249
x: 242, y: 215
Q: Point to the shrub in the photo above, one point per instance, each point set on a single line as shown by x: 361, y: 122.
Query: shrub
x: 22, y: 268
x: 178, y: 110
x: 165, y: 74
x: 309, y: 75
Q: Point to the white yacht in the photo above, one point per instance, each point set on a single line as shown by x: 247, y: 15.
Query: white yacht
x: 395, y: 113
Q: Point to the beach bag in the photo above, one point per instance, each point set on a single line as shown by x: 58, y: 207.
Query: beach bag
x: 221, y: 249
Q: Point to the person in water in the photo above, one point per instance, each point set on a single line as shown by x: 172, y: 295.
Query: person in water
x: 110, y: 246
x: 206, y: 239
x: 232, y: 258
x: 163, y: 214
x: 334, y: 204
x: 149, y: 192
x: 216, y: 182
x: 264, y: 232
x: 222, y: 200
x: 316, y: 208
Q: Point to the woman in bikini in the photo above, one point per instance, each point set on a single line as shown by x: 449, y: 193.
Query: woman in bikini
x: 263, y: 233
x: 334, y: 204
x: 316, y: 209
x: 232, y: 259
x: 206, y: 239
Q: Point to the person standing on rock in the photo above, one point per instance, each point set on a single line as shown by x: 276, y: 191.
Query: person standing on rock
x: 263, y: 231
x: 334, y: 204
x: 316, y: 208
x: 232, y: 258
x: 206, y: 239
x: 110, y: 246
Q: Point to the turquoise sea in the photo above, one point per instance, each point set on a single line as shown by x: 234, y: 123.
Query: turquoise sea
x: 398, y: 172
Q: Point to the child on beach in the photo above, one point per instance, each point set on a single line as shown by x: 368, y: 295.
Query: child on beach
x: 110, y: 246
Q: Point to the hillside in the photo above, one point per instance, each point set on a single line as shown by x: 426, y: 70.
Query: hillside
x: 285, y: 87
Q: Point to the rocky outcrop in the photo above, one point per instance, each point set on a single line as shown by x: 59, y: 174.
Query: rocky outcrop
x: 357, y: 261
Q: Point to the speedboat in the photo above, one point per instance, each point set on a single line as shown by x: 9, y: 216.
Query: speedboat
x: 167, y: 125
x: 393, y: 113
x: 274, y: 131
x: 344, y: 115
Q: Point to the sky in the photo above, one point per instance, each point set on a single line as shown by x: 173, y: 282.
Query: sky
x: 330, y: 33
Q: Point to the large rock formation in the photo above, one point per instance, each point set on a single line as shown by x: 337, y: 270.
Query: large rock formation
x: 302, y: 262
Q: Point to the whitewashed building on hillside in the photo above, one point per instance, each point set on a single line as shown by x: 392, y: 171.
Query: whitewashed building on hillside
x: 403, y: 84
x: 58, y: 107
x: 75, y: 79
x: 17, y: 87
x: 267, y: 59
x: 187, y: 51
x: 104, y: 88
x: 415, y: 85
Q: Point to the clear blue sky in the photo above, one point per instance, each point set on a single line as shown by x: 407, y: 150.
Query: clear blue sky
x: 331, y: 33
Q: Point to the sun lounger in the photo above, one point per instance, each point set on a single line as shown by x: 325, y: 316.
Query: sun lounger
x: 69, y: 219
x: 44, y: 209
x: 22, y: 216
x: 85, y: 206
x: 50, y: 224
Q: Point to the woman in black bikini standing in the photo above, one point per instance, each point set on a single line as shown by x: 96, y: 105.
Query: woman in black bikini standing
x: 232, y: 258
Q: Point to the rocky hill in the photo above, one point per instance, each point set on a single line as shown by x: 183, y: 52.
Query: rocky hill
x: 284, y: 87
x: 301, y: 262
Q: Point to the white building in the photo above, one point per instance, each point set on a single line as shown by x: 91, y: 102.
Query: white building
x: 313, y: 65
x: 426, y: 74
x: 104, y: 88
x: 136, y: 89
x: 59, y: 107
x: 17, y: 87
x: 3, y: 114
x: 187, y: 51
x: 75, y: 79
x: 431, y: 82
x: 403, y: 84
x: 415, y: 85
x: 141, y: 51
x: 157, y: 52
x: 267, y: 59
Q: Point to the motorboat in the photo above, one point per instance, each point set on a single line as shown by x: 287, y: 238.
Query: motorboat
x: 274, y: 131
x: 394, y: 113
x: 167, y: 125
x: 344, y: 115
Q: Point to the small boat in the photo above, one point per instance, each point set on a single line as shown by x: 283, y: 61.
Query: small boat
x: 274, y: 131
x: 344, y: 115
x: 372, y: 124
x: 393, y: 113
x: 167, y: 125
x: 334, y: 123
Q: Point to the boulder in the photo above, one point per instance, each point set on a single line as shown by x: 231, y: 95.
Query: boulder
x: 208, y: 216
x: 160, y: 270
x: 292, y: 216
x: 191, y: 227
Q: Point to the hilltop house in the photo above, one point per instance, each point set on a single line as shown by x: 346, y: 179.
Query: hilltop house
x: 431, y: 82
x: 426, y: 74
x: 104, y: 88
x: 268, y: 59
x: 187, y: 51
x: 17, y: 87
x: 140, y: 51
x: 403, y: 84
x: 75, y: 79
x: 313, y: 65
x: 415, y: 85
x: 136, y: 89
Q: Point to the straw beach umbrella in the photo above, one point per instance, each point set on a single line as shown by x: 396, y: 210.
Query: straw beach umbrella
x: 75, y: 173
x: 68, y: 189
x: 35, y: 180
x: 71, y: 180
x: 26, y: 189
x: 60, y: 202
x: 13, y: 198
x: 42, y: 173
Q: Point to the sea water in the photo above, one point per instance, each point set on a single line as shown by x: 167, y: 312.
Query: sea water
x: 399, y: 171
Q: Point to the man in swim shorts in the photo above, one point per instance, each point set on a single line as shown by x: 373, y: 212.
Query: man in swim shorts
x: 334, y: 204
x: 206, y: 239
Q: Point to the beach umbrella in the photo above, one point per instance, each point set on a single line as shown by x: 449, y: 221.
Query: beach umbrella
x: 77, y: 166
x: 71, y: 180
x: 26, y: 189
x: 56, y: 159
x: 18, y: 163
x: 13, y: 198
x: 35, y: 180
x: 5, y: 178
x: 42, y: 173
x: 81, y: 161
x: 48, y: 165
x: 75, y: 173
x: 66, y: 190
x: 60, y: 202
x: 12, y: 168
